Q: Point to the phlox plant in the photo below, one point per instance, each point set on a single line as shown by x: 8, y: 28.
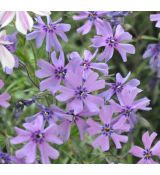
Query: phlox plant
x: 75, y: 88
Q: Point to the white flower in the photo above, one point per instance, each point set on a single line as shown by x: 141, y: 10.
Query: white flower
x: 6, y: 58
x: 23, y: 20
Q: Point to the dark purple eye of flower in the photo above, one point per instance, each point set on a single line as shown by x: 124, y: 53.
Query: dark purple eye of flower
x: 127, y: 111
x: 5, y: 158
x: 47, y: 114
x: 147, y: 154
x: 37, y: 137
x: 111, y: 41
x: 86, y: 64
x: 81, y: 92
x: 117, y: 87
x: 60, y: 72
x: 49, y: 28
x: 107, y: 130
x: 92, y: 16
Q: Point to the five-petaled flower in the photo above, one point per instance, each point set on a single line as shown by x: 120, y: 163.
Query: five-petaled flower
x: 119, y: 85
x: 147, y: 153
x: 106, y: 38
x: 109, y: 128
x: 77, y: 92
x: 36, y: 136
x: 86, y: 63
x: 94, y: 18
x: 50, y: 31
x: 54, y: 73
x: 128, y: 105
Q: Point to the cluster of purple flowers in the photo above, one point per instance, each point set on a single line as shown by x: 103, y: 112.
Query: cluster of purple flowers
x: 153, y: 49
x: 106, y: 111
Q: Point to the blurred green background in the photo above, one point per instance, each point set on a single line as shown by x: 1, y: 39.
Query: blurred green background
x: 75, y: 151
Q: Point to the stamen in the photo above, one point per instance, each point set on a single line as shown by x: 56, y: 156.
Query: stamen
x: 81, y: 92
x: 112, y: 42
x: 117, y: 87
x: 37, y: 137
x: 107, y: 130
x: 60, y: 72
x: 147, y: 154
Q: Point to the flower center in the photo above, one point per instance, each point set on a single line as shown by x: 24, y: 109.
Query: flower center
x: 37, y: 136
x: 81, y: 92
x: 60, y: 72
x: 49, y: 28
x: 92, y: 16
x: 111, y: 41
x: 107, y: 130
x: 147, y: 154
x: 47, y: 114
x: 117, y: 87
x: 127, y: 111
x: 86, y: 64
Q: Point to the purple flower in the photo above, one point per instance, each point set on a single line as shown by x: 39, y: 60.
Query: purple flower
x: 155, y: 17
x: 153, y: 52
x: 70, y: 119
x: 86, y: 63
x: 5, y: 158
x: 50, y: 114
x: 119, y: 85
x: 54, y: 73
x: 111, y: 41
x: 92, y: 18
x: 50, y: 31
x: 118, y: 13
x: 147, y: 153
x: 36, y: 136
x: 4, y: 97
x: 128, y: 105
x: 77, y: 92
x: 116, y: 17
x: 109, y: 128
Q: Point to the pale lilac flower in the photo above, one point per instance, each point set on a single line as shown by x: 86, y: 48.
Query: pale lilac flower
x: 23, y: 20
x: 70, y: 118
x: 155, y: 17
x: 113, y: 40
x: 153, y: 52
x: 128, y: 105
x: 94, y: 18
x: 86, y: 62
x: 77, y: 92
x: 50, y: 31
x: 36, y: 136
x: 53, y: 73
x: 50, y: 114
x: 147, y: 153
x: 7, y: 59
x: 119, y: 85
x: 4, y: 97
x: 109, y: 128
